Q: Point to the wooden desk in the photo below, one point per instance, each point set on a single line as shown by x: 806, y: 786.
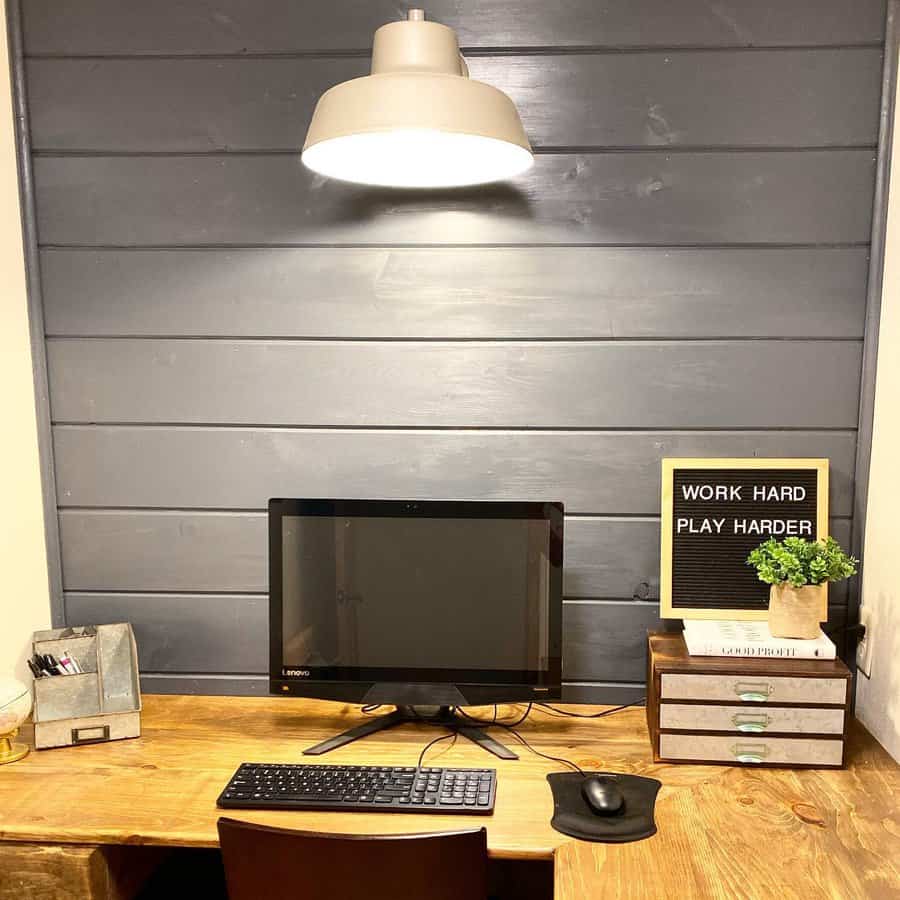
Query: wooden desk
x: 723, y: 832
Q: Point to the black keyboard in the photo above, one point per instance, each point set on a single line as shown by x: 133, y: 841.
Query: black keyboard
x: 361, y: 788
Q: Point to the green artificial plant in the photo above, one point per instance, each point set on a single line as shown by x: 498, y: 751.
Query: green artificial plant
x: 800, y: 562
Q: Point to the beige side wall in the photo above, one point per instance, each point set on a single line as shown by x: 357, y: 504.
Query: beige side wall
x: 878, y: 697
x: 25, y: 603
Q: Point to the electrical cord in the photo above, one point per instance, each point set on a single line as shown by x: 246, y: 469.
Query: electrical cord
x: 511, y: 728
x: 518, y: 721
x: 559, y: 759
x: 550, y: 710
x: 494, y: 721
x: 553, y: 710
x: 858, y: 629
x: 453, y: 731
x: 431, y: 743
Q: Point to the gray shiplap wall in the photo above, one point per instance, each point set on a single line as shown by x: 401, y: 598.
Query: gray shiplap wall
x: 682, y: 273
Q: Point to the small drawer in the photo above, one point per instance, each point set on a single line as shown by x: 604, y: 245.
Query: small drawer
x: 744, y: 749
x: 87, y: 730
x: 695, y: 717
x: 753, y: 689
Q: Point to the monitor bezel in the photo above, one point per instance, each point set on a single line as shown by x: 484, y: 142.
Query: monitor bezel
x: 476, y: 686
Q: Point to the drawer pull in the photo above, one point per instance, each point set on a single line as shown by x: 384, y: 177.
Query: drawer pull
x: 750, y: 721
x: 93, y: 734
x: 757, y: 691
x: 750, y: 753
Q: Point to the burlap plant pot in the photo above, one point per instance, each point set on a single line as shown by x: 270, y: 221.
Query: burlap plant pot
x: 796, y: 612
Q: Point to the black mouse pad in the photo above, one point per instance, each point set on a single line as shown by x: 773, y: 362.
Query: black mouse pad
x: 573, y: 816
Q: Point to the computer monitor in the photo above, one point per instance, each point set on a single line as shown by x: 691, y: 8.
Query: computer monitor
x: 419, y: 604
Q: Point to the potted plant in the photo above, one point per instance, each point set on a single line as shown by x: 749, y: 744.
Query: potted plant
x: 799, y: 571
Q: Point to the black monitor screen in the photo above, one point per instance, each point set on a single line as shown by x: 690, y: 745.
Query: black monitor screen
x: 419, y: 596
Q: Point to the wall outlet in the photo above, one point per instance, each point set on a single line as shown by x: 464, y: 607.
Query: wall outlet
x: 864, y: 647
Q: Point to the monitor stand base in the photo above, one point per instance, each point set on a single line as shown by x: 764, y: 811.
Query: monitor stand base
x: 403, y: 714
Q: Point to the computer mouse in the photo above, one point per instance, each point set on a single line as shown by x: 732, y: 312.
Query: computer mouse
x: 602, y: 795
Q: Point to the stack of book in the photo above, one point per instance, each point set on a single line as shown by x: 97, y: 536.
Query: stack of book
x: 720, y: 637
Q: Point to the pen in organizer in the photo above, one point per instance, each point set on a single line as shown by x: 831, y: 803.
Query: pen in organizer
x: 40, y: 664
x: 35, y: 669
x: 50, y: 664
x: 67, y: 664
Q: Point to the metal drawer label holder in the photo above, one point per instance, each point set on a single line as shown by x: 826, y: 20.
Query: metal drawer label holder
x: 751, y: 721
x: 753, y: 691
x: 90, y: 734
x: 750, y: 753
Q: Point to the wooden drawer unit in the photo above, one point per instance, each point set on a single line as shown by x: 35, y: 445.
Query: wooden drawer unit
x: 744, y: 712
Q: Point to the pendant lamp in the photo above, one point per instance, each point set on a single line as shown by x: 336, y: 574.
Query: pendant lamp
x: 418, y: 120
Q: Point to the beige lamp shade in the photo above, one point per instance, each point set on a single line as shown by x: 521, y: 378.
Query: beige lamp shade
x: 418, y: 120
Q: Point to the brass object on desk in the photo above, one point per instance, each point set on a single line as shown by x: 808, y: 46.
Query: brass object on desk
x: 10, y: 752
x: 15, y: 705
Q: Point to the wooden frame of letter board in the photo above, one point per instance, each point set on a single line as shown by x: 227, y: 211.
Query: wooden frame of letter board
x: 669, y: 465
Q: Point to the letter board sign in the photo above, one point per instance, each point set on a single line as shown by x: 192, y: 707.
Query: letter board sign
x: 714, y: 512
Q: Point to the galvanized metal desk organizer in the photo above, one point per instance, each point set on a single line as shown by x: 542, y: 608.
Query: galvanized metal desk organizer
x: 101, y: 704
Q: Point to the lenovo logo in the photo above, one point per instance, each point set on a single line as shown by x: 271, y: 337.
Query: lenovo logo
x: 295, y: 673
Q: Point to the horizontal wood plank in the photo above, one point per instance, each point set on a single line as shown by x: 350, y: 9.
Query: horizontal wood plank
x: 228, y: 634
x: 717, y: 384
x: 652, y: 197
x: 607, y: 641
x: 200, y: 633
x: 451, y: 292
x: 227, y: 552
x: 204, y: 685
x: 238, y: 468
x: 237, y: 26
x: 780, y: 98
x: 604, y: 692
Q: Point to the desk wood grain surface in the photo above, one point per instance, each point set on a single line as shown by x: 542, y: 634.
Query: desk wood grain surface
x: 723, y: 832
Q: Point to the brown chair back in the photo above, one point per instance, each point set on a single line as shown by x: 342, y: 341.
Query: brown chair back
x: 263, y: 863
